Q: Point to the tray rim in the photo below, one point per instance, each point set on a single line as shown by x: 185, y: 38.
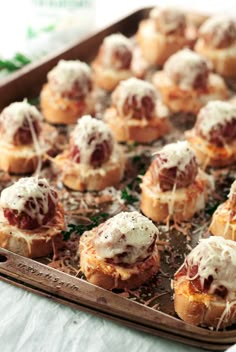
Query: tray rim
x: 228, y: 338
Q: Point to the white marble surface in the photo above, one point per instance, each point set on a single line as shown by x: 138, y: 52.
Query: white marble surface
x: 32, y: 323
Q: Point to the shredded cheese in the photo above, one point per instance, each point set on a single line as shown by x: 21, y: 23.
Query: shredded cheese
x: 177, y: 154
x: 128, y: 235
x: 219, y: 28
x: 129, y: 88
x: 88, y: 133
x: 14, y: 116
x: 169, y: 19
x: 215, y: 257
x: 184, y: 67
x: 214, y: 114
x: 30, y: 190
x: 115, y: 42
x: 66, y: 74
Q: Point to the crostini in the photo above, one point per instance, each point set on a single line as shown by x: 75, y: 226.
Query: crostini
x: 213, y: 138
x: 223, y: 221
x: 113, y: 62
x: 186, y: 82
x: 217, y: 42
x: 68, y: 94
x: 93, y: 160
x: 162, y: 34
x: 121, y: 253
x: 31, y: 218
x: 204, y: 286
x: 174, y: 187
x: 136, y: 113
x: 24, y: 138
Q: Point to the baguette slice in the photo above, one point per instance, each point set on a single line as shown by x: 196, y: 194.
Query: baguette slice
x: 201, y: 308
x: 189, y: 101
x: 59, y: 110
x: 142, y: 131
x: 113, y: 276
x: 155, y: 46
x: 81, y: 177
x: 209, y: 154
x: 223, y: 59
x: 222, y: 224
x: 25, y: 158
x: 179, y: 205
x: 35, y: 243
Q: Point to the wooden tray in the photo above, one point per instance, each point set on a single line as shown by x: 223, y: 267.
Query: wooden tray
x: 72, y: 291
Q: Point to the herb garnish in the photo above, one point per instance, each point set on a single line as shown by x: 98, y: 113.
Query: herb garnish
x: 81, y: 228
x: 34, y: 101
x: 128, y: 197
x: 18, y: 61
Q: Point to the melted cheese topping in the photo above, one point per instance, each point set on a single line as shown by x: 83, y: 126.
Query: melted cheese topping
x: 218, y: 27
x: 132, y: 87
x: 216, y: 257
x: 169, y: 19
x: 115, y: 42
x: 185, y: 65
x: 128, y: 235
x: 177, y: 154
x: 88, y: 133
x: 232, y: 196
x: 66, y: 74
x: 214, y: 114
x: 14, y: 116
x: 33, y: 190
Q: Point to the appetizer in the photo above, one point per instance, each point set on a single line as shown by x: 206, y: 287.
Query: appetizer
x: 24, y: 138
x: 31, y: 218
x: 186, y: 82
x: 93, y: 161
x: 136, y: 113
x: 113, y: 61
x: 217, y: 42
x: 174, y: 187
x: 162, y: 34
x: 213, y: 138
x: 121, y: 253
x: 223, y: 221
x: 204, y: 286
x: 68, y: 94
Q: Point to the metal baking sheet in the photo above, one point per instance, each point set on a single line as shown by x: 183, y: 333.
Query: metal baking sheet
x: 150, y: 308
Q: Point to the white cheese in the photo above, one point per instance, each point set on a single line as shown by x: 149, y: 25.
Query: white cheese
x: 218, y: 28
x: 33, y: 190
x: 177, y: 154
x: 67, y: 73
x: 130, y: 88
x: 216, y: 257
x: 184, y: 67
x: 169, y: 19
x: 215, y: 113
x: 88, y: 133
x: 115, y: 42
x: 128, y: 234
x: 14, y: 116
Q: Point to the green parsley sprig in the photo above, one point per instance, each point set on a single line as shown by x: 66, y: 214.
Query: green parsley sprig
x: 17, y: 62
x: 128, y: 196
x: 81, y: 228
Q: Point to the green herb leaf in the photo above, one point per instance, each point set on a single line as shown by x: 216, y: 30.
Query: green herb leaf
x: 210, y: 209
x: 33, y: 33
x: 34, y: 101
x: 81, y: 228
x: 128, y: 197
x: 17, y: 62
